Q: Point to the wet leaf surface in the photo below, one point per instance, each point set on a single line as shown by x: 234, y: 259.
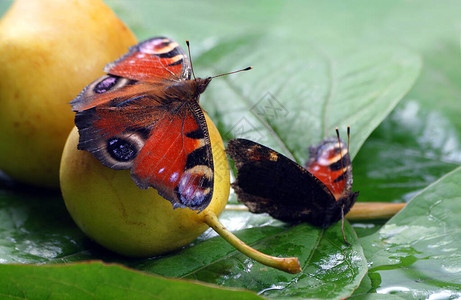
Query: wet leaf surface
x: 325, y: 259
x: 417, y: 252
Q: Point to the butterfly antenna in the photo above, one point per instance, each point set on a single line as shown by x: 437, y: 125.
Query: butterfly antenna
x: 340, y: 149
x: 246, y: 69
x: 348, y: 143
x: 342, y: 167
x: 190, y: 58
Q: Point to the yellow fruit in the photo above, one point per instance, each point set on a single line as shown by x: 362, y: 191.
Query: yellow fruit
x: 49, y: 51
x: 109, y: 207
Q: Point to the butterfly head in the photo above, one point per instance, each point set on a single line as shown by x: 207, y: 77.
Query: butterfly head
x: 201, y: 85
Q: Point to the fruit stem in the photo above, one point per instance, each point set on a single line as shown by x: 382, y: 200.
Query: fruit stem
x: 373, y: 210
x: 288, y: 264
x: 360, y: 211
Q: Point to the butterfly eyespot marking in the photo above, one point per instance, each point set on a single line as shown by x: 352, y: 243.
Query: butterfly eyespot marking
x: 194, y: 186
x: 202, y: 172
x: 158, y: 46
x: 122, y: 149
x: 105, y: 84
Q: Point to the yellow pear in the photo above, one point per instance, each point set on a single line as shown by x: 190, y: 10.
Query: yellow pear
x: 49, y: 51
x: 108, y: 206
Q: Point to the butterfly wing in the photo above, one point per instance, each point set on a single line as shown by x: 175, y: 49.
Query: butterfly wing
x: 155, y: 60
x: 268, y: 182
x: 165, y: 144
x: 116, y: 129
x: 177, y: 159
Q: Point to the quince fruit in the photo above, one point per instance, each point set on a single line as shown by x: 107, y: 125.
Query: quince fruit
x: 49, y: 51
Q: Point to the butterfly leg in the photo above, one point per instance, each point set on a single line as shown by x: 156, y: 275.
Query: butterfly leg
x: 342, y: 226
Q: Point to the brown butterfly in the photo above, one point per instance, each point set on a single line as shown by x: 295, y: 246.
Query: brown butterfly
x: 268, y: 182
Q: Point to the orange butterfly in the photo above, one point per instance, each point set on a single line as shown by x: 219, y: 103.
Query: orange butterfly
x: 145, y: 116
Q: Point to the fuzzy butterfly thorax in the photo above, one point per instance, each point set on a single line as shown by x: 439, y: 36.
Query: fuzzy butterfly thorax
x: 189, y: 90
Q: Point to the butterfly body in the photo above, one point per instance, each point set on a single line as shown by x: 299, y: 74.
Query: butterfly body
x: 268, y: 182
x: 144, y: 115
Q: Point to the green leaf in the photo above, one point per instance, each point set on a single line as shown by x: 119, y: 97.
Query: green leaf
x: 414, y: 147
x: 420, y: 141
x: 210, y: 261
x: 36, y: 228
x: 101, y: 281
x: 332, y: 89
x: 417, y: 252
x: 326, y: 261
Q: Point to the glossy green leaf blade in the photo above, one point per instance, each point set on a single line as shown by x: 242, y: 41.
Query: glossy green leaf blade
x: 36, y: 231
x: 417, y: 252
x: 421, y: 140
x: 332, y: 265
x: 410, y: 150
x: 324, y: 88
x: 101, y: 281
x: 35, y: 227
x: 326, y: 261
